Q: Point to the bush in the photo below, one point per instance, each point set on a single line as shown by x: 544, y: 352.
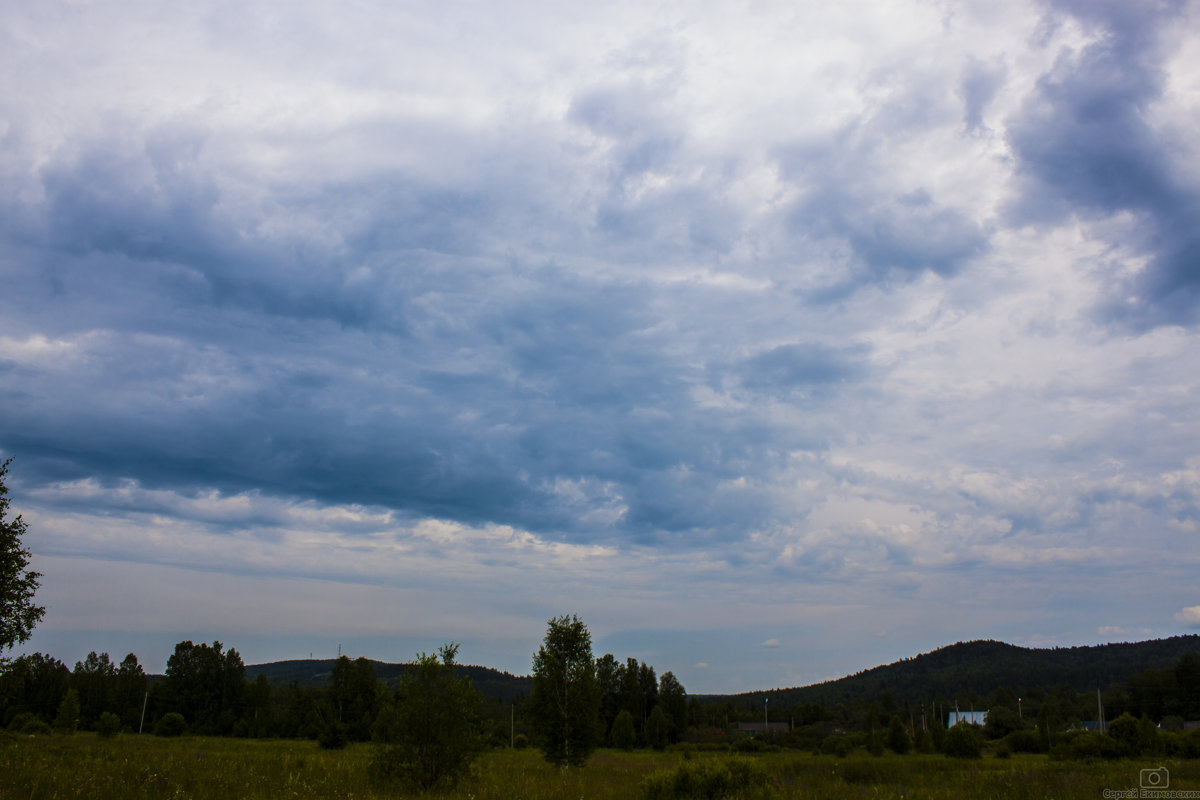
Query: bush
x: 520, y: 741
x: 34, y: 727
x: 1025, y: 742
x: 897, y: 737
x: 332, y: 736
x: 835, y: 745
x: 1001, y: 721
x: 750, y: 744
x: 623, y: 734
x: 431, y: 726
x: 109, y: 725
x: 1083, y: 746
x: 963, y: 741
x: 709, y: 779
x: 18, y: 721
x: 1181, y: 745
x: 170, y: 725
x: 657, y: 729
x: 67, y: 718
x: 1124, y: 731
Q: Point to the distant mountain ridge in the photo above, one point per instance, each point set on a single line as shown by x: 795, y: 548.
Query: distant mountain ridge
x: 982, y: 666
x: 979, y: 667
x: 314, y: 673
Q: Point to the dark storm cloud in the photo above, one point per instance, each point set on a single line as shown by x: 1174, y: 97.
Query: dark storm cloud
x: 979, y: 85
x: 157, y: 205
x: 373, y: 352
x: 1086, y: 144
x: 631, y: 117
x: 791, y: 368
x: 884, y: 232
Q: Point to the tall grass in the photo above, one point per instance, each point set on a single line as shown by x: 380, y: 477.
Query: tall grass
x: 134, y: 767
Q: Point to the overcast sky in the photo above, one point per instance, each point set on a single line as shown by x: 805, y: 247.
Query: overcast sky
x: 775, y: 340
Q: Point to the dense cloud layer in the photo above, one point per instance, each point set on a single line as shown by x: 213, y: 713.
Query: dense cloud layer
x: 678, y: 319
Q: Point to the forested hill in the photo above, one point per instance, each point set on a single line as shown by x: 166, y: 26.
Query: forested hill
x: 315, y: 673
x: 978, y: 667
x: 981, y: 667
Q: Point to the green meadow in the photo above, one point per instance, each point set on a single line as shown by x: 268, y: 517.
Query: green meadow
x: 135, y: 767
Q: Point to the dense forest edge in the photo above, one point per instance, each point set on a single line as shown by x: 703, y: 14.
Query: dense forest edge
x: 216, y: 693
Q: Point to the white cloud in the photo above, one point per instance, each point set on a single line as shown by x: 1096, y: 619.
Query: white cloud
x: 1189, y: 616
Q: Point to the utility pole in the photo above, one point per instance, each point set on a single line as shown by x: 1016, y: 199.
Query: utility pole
x: 766, y: 715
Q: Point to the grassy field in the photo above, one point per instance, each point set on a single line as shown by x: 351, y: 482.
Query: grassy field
x: 133, y: 767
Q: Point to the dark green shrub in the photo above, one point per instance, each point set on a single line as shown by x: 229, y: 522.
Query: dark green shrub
x: 430, y: 727
x: 1174, y: 745
x: 1025, y: 742
x: 332, y: 736
x: 109, y: 725
x: 1124, y: 731
x: 18, y: 721
x: 657, y: 729
x: 170, y: 725
x: 520, y: 741
x: 836, y: 745
x: 34, y: 727
x: 963, y: 741
x: 897, y: 737
x: 750, y: 744
x: 709, y: 779
x: 1180, y: 745
x: 67, y: 718
x: 1002, y: 721
x: 1083, y: 746
x: 938, y: 734
x: 623, y: 734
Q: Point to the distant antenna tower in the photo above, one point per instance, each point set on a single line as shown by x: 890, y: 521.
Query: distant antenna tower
x: 339, y: 649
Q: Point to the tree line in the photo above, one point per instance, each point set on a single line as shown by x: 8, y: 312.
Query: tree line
x: 1152, y: 712
x: 204, y: 691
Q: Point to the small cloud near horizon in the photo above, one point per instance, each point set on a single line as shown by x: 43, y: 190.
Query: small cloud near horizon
x: 1189, y: 616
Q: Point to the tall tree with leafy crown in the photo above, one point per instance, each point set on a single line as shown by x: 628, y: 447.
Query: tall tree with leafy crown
x: 18, y: 614
x: 565, y: 700
x: 431, y: 727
